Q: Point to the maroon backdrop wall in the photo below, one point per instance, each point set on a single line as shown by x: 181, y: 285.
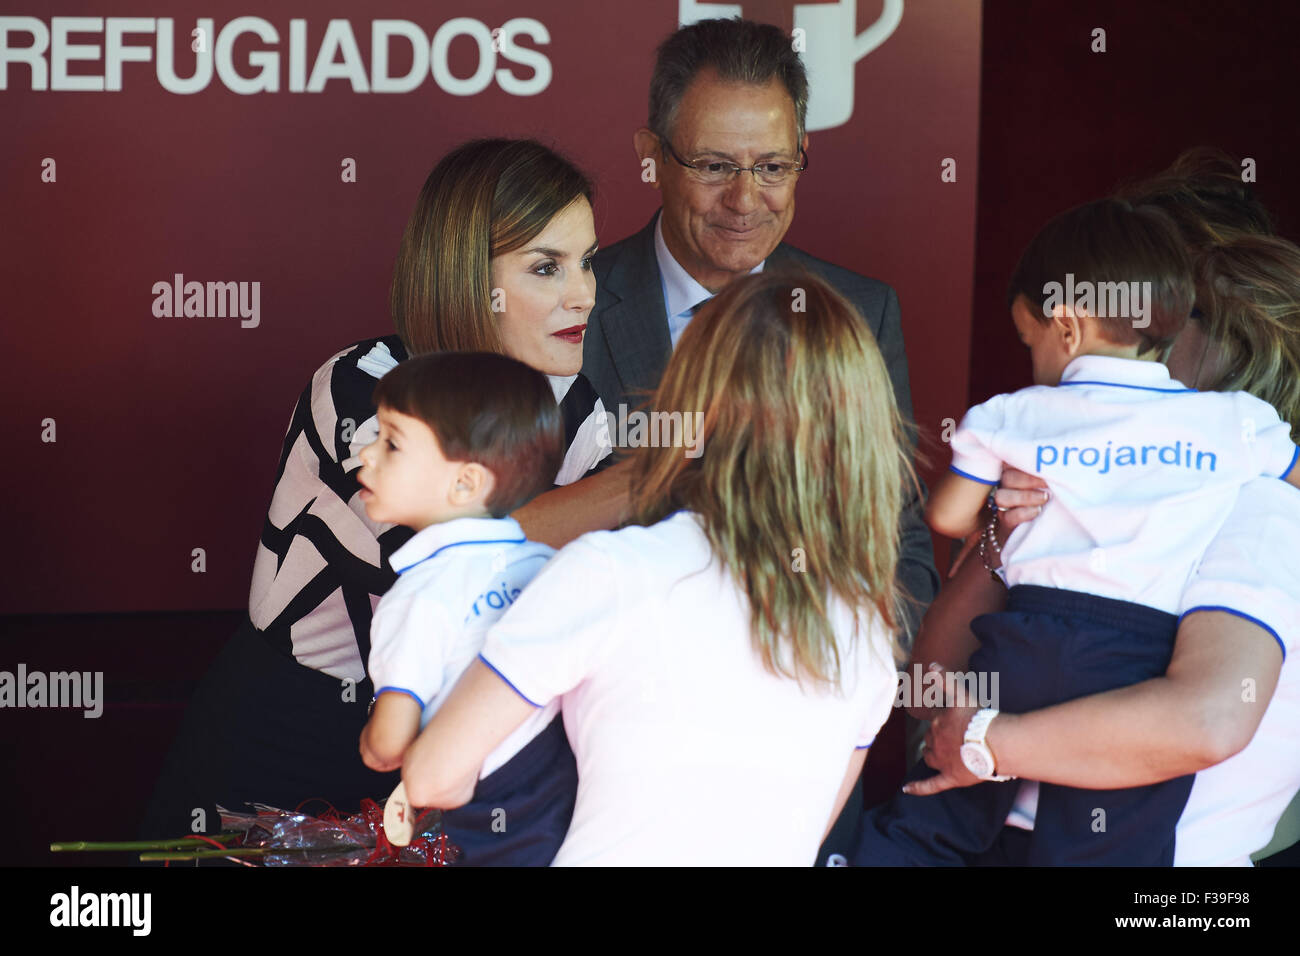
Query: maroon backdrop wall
x: 168, y: 429
x: 1060, y: 124
x: 247, y: 187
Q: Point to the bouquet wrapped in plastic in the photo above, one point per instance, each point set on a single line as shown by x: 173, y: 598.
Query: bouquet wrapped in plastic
x: 268, y: 836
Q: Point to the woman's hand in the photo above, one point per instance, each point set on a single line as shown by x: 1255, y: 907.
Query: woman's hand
x: 1019, y: 497
x: 942, y: 747
x: 943, y: 753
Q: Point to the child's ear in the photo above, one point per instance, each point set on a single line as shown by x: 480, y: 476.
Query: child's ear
x: 1067, y: 325
x: 474, y: 484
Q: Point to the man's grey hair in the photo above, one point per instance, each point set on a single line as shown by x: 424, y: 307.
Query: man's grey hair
x: 741, y: 51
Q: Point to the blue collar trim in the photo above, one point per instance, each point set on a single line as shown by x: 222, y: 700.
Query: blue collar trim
x: 1144, y: 388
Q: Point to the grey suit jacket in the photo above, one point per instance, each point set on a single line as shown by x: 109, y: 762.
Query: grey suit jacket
x: 627, y: 348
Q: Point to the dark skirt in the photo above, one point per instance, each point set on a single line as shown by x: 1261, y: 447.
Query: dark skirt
x: 263, y: 728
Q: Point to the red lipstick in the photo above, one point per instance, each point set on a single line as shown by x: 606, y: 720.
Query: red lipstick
x: 572, y: 335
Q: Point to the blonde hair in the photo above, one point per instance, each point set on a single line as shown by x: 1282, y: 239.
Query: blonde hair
x: 1251, y: 289
x: 802, y: 448
x: 1202, y: 191
x: 1247, y: 278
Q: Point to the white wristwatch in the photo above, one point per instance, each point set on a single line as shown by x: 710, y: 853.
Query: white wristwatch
x: 975, y: 753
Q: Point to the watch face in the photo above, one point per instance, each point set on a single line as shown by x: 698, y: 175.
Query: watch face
x: 976, y: 759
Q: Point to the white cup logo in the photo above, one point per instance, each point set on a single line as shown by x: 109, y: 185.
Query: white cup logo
x: 831, y: 48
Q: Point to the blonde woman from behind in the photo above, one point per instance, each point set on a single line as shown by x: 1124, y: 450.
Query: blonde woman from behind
x: 724, y: 663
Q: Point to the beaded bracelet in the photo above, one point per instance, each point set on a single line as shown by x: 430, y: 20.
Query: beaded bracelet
x: 989, y: 541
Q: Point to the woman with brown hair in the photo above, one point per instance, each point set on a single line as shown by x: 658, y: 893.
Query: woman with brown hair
x: 496, y: 257
x: 724, y: 662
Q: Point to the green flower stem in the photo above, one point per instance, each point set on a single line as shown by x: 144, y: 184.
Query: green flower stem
x: 84, y: 846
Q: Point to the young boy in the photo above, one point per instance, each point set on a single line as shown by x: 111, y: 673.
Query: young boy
x: 464, y: 439
x: 1141, y: 473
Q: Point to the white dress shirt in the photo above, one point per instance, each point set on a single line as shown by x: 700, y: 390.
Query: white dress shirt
x: 682, y: 294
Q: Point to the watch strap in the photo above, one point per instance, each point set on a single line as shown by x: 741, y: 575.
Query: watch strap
x: 976, y: 731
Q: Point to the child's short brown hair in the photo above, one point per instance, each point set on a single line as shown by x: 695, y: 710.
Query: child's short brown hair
x: 484, y: 408
x: 1110, y: 244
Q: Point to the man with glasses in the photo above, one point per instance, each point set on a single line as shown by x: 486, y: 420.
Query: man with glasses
x: 725, y: 146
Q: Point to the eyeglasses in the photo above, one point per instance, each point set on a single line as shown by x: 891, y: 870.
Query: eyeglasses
x: 718, y: 172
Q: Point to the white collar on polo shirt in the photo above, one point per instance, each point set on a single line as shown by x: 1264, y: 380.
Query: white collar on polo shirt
x: 1129, y: 373
x: 439, y: 538
x: 681, y: 292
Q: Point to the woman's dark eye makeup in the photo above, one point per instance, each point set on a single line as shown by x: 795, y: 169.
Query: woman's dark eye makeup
x: 549, y: 267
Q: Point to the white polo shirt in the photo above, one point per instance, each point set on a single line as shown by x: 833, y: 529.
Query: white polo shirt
x: 1252, y: 569
x: 688, y: 751
x: 455, y: 579
x: 1142, y: 472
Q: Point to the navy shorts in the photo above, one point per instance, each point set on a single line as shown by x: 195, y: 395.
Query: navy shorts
x: 520, y: 812
x: 1049, y: 646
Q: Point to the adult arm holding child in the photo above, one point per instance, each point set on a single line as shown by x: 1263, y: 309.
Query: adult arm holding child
x: 442, y: 766
x: 1183, y: 722
x: 945, y: 636
x: 594, y: 503
x: 1189, y: 719
x: 1226, y: 706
